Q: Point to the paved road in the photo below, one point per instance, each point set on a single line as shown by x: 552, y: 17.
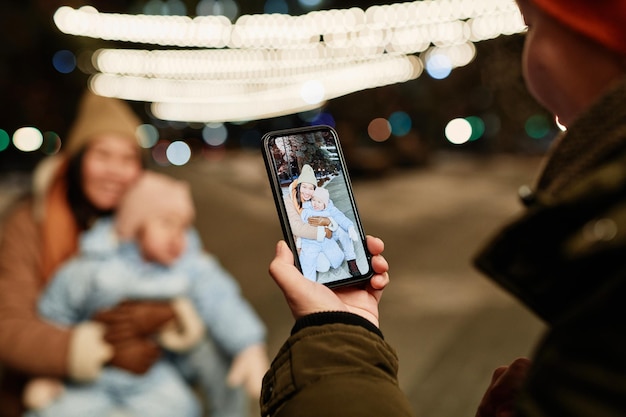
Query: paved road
x: 451, y: 327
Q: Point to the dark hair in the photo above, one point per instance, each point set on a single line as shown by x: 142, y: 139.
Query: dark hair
x: 84, y: 212
x: 298, y: 199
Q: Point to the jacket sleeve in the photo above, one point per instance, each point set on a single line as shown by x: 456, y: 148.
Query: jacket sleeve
x: 341, y: 218
x: 334, y: 369
x: 63, y: 300
x: 22, y: 333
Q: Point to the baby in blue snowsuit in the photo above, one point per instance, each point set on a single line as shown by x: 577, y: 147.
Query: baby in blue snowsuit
x: 343, y: 232
x: 149, y: 252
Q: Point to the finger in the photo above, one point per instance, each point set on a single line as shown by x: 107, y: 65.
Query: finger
x: 380, y: 264
x: 379, y: 281
x: 374, y: 245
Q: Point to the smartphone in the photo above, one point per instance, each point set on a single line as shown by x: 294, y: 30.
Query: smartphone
x: 316, y: 207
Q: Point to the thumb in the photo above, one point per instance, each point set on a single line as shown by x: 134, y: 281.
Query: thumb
x: 288, y: 278
x: 282, y: 268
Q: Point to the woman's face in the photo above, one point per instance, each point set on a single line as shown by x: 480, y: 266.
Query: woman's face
x: 565, y: 71
x: 110, y: 164
x: 306, y: 191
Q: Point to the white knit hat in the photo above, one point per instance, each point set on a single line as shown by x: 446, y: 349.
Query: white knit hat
x: 152, y: 194
x: 307, y: 175
x: 322, y: 194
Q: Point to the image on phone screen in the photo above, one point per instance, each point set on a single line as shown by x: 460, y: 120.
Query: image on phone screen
x: 316, y: 205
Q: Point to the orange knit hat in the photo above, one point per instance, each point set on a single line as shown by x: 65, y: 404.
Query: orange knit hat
x: 603, y: 21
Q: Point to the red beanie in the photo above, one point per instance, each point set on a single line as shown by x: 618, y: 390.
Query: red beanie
x: 601, y: 20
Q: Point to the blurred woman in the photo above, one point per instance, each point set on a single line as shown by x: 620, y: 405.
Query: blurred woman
x: 70, y: 190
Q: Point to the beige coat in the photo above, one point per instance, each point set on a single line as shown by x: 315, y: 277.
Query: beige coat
x: 28, y: 345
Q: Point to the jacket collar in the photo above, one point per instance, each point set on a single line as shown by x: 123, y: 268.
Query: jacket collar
x: 540, y: 258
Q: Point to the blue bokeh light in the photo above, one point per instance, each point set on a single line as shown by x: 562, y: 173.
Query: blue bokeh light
x: 400, y: 123
x: 64, y: 61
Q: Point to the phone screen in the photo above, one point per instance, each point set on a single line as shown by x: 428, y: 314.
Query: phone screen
x: 316, y: 206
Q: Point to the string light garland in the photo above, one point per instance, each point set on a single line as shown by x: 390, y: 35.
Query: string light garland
x: 272, y: 64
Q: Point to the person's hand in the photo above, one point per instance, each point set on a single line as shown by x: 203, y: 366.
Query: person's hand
x: 328, y: 233
x: 306, y: 297
x: 135, y: 355
x: 134, y: 319
x: 503, y: 389
x: 319, y: 221
x: 248, y: 369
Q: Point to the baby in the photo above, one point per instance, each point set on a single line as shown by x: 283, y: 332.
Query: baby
x: 343, y: 231
x: 149, y: 251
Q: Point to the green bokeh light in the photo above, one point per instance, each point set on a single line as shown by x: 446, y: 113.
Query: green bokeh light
x: 537, y: 126
x: 478, y: 127
x: 5, y: 140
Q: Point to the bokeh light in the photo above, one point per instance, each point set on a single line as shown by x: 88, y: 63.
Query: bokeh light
x: 147, y: 135
x: 478, y: 127
x: 309, y: 115
x: 323, y: 118
x: 51, y: 143
x: 5, y: 140
x: 228, y: 8
x: 458, y: 131
x: 27, y: 139
x: 214, y: 134
x: 379, y: 129
x: 159, y: 153
x: 310, y: 4
x: 438, y: 66
x: 400, y: 123
x: 64, y: 61
x: 276, y: 6
x: 312, y: 92
x: 178, y: 153
x: 537, y: 126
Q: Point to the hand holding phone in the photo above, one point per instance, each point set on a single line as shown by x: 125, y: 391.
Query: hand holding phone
x: 316, y: 206
x: 305, y: 297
